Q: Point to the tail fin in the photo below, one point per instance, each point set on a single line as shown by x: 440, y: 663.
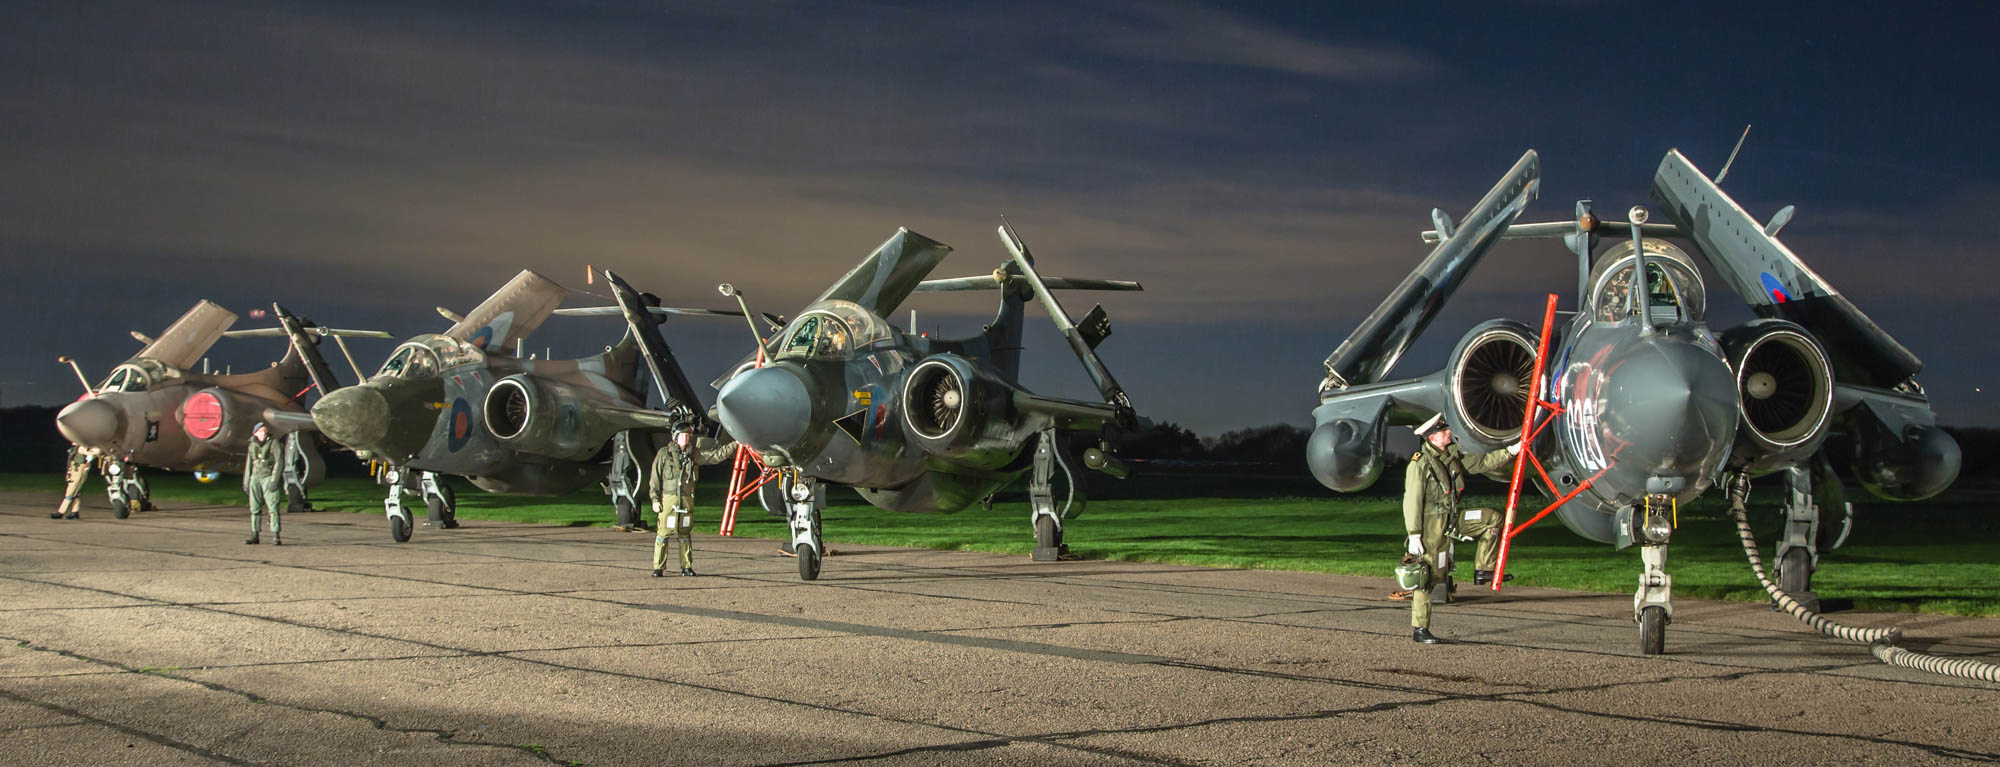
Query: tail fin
x: 190, y: 336
x: 887, y: 276
x: 510, y: 314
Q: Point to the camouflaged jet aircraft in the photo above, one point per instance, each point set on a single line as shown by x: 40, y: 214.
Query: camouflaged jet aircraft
x: 458, y: 403
x: 917, y: 423
x: 155, y: 410
x: 1652, y: 407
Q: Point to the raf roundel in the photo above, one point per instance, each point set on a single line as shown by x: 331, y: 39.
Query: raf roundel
x: 1776, y: 289
x: 460, y: 425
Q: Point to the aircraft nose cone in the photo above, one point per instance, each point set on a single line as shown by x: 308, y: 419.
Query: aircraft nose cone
x: 355, y: 416
x: 768, y: 409
x: 1673, y: 405
x: 92, y: 423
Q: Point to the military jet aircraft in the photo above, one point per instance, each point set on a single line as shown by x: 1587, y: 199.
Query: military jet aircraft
x: 1652, y: 407
x: 155, y: 410
x: 458, y: 403
x: 917, y: 423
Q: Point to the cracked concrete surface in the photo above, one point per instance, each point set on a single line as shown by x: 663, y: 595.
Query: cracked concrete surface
x: 162, y: 639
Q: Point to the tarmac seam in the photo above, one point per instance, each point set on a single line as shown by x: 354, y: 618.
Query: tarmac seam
x: 163, y: 740
x: 446, y: 737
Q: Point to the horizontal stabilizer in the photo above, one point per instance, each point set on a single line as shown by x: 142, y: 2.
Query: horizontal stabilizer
x: 995, y: 282
x: 311, y: 330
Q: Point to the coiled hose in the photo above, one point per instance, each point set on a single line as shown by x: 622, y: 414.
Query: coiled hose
x: 1881, y: 641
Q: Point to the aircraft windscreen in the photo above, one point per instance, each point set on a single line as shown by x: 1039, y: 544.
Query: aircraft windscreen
x: 833, y: 330
x: 410, y: 362
x: 1670, y: 283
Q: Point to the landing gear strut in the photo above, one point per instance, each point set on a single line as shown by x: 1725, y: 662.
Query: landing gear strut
x: 302, y: 467
x: 439, y: 500
x: 805, y: 498
x: 1798, y: 544
x: 622, y: 484
x: 1653, y: 606
x: 399, y: 517
x: 1046, y: 517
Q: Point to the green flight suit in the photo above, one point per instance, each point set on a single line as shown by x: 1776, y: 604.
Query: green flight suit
x: 1431, y: 487
x: 671, y: 486
x: 261, y: 481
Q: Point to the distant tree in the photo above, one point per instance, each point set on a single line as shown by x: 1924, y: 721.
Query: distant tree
x: 1164, y: 441
x: 1281, y: 443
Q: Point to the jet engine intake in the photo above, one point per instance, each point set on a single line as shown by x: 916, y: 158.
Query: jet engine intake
x: 1784, y: 390
x: 552, y: 419
x: 220, y: 417
x: 1487, y: 381
x: 947, y: 404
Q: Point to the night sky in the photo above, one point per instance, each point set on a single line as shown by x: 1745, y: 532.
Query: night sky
x: 1263, y: 169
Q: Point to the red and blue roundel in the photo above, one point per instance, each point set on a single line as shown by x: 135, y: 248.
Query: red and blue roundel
x: 459, y: 430
x: 1776, y: 289
x: 480, y: 339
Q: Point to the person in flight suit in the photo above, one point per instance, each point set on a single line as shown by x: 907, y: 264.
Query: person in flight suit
x: 672, y: 487
x: 261, y: 480
x: 79, y: 472
x: 1431, y: 487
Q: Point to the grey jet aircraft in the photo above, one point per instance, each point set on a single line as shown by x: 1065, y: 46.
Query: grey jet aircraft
x: 1654, y: 407
x: 915, y: 423
x: 459, y: 403
x: 155, y: 410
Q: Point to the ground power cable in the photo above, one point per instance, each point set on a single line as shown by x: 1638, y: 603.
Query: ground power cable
x: 1881, y: 641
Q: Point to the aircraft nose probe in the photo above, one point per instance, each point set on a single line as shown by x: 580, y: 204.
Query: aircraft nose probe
x: 91, y: 423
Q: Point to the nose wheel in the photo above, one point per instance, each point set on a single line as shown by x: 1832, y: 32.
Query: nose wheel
x: 1653, y: 606
x: 1653, y: 631
x: 805, y: 498
x: 400, y: 522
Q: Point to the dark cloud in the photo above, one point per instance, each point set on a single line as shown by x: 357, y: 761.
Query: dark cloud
x: 1263, y: 170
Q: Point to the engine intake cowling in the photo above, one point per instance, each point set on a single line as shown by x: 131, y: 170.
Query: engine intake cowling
x: 1487, y: 381
x: 948, y: 404
x: 1784, y: 391
x: 551, y: 419
x: 1345, y: 454
x: 220, y: 417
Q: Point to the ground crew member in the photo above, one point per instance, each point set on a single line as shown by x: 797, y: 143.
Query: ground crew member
x: 672, y: 490
x: 1431, y: 487
x: 261, y: 480
x: 78, y: 473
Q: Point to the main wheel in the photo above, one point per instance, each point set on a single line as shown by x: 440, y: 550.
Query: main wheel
x: 295, y: 499
x: 123, y: 509
x: 1047, y: 534
x: 808, y: 562
x: 627, y: 516
x: 399, y: 528
x: 1653, y: 631
x: 1795, y: 578
x: 450, y: 504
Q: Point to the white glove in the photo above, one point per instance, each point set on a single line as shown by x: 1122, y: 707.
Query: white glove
x: 1416, y: 544
x: 656, y: 507
x: 1514, y: 449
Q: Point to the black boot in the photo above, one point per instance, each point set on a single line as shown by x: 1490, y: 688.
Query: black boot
x: 249, y: 541
x: 1485, y: 577
x: 657, y: 572
x: 1424, y: 636
x: 73, y: 515
x: 687, y: 571
x: 277, y: 540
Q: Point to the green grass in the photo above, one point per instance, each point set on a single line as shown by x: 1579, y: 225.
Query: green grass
x: 1935, y: 557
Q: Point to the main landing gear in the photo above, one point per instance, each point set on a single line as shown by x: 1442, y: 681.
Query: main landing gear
x: 623, y: 482
x: 1045, y: 516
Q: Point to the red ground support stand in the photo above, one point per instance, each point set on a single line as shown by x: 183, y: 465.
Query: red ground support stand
x: 1530, y: 429
x: 741, y: 485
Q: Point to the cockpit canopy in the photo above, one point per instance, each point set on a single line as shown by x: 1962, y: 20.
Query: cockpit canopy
x: 136, y: 375
x: 1673, y: 284
x: 831, y: 330
x: 426, y: 356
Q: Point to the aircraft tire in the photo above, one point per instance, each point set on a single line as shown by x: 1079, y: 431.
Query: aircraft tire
x: 399, y: 528
x: 1653, y: 631
x: 1795, y: 578
x: 295, y: 500
x: 627, y: 515
x: 1046, y: 534
x: 808, y: 562
x: 123, y: 509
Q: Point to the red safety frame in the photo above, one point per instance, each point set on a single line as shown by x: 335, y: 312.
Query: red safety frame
x: 741, y: 485
x: 1531, y: 427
